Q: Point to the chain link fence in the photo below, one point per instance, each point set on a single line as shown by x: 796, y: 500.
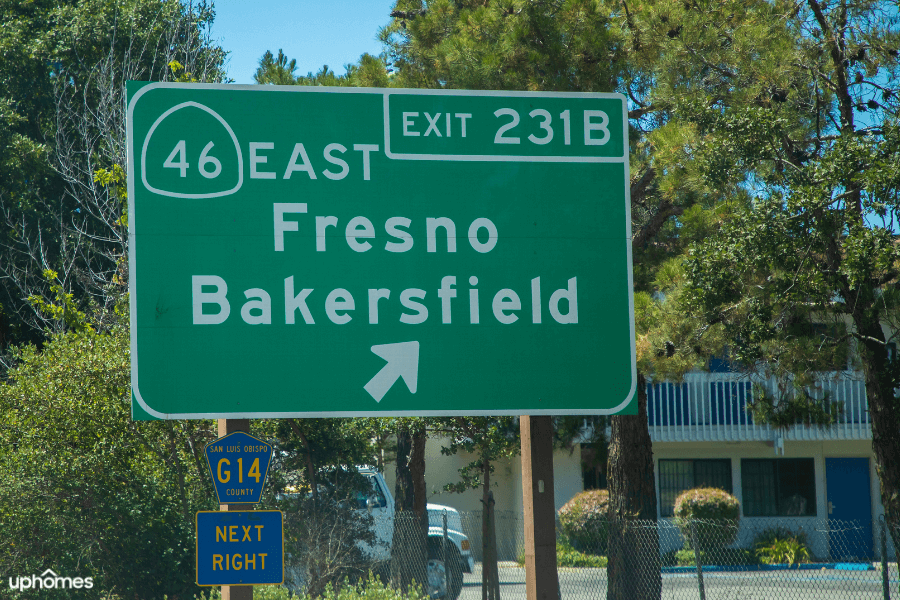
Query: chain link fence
x: 750, y: 559
x: 754, y: 558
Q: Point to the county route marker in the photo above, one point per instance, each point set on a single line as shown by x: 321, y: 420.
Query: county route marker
x: 300, y: 251
x: 239, y: 465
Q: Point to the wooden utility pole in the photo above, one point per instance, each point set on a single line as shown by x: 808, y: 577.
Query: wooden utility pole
x: 541, y: 578
x: 235, y: 592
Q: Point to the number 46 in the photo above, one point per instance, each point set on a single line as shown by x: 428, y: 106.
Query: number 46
x: 178, y: 160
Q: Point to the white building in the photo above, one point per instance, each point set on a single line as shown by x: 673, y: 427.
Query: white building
x: 703, y: 436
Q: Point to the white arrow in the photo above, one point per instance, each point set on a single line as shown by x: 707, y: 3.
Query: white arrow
x: 402, y: 361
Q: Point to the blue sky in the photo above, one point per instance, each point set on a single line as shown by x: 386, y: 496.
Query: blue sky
x: 332, y: 32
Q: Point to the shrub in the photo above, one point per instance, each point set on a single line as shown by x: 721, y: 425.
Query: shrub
x: 714, y: 514
x: 567, y: 556
x: 583, y: 520
x: 687, y: 558
x: 778, y: 545
x: 325, y: 540
x: 769, y: 536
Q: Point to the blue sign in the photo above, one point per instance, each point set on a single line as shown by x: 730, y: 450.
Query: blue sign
x: 240, y: 547
x: 239, y: 464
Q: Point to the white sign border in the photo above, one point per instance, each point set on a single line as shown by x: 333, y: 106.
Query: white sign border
x: 385, y: 93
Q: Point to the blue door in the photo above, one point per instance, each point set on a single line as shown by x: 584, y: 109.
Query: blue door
x: 849, y: 507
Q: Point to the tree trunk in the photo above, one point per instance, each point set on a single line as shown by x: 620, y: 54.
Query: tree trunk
x: 408, y: 546
x: 634, y: 566
x: 417, y: 476
x: 490, y: 577
x: 885, y: 417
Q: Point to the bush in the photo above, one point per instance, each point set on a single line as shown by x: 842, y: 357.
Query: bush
x: 326, y: 541
x: 714, y: 513
x: 687, y: 558
x: 769, y: 536
x: 567, y: 556
x: 583, y: 520
x: 779, y: 545
x: 85, y: 490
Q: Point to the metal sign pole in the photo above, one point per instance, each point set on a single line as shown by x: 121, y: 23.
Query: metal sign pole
x: 235, y: 592
x: 541, y: 578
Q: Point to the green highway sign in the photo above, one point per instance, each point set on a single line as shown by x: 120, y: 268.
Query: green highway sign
x: 325, y: 252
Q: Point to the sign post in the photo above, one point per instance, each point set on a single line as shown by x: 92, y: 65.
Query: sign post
x: 319, y: 252
x: 239, y: 465
x: 541, y: 577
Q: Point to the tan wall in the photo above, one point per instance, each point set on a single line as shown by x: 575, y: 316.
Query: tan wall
x: 506, y: 483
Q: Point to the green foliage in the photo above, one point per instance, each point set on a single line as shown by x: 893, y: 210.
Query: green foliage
x: 795, y: 408
x: 83, y: 489
x: 779, y: 545
x: 64, y: 309
x: 711, y: 513
x: 817, y: 240
x: 370, y: 71
x: 488, y: 438
x: 509, y: 45
x: 325, y: 536
x: 276, y: 71
x: 720, y: 556
x: 314, y: 446
x: 567, y: 556
x: 584, y: 521
x: 784, y: 552
x: 370, y: 588
x: 808, y: 269
x: 687, y: 558
x: 63, y: 67
x: 707, y: 503
x: 260, y: 592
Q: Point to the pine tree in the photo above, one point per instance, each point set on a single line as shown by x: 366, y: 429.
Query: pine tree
x: 804, y: 114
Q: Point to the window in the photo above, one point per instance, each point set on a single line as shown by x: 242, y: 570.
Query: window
x: 780, y: 487
x: 371, y: 499
x: 593, y: 469
x: 676, y: 476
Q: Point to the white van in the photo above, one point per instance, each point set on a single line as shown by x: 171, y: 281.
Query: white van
x: 444, y: 576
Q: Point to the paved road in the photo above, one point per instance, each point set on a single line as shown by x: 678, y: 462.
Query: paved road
x: 590, y: 584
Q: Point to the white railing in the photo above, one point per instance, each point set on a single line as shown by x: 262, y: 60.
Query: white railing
x: 713, y: 407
